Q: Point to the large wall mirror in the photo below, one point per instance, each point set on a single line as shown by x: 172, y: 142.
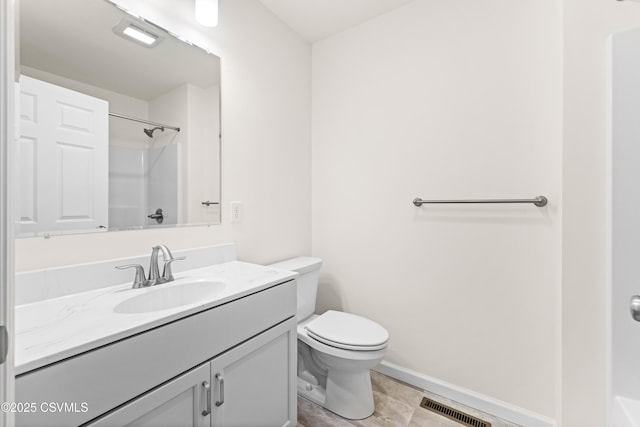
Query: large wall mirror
x: 119, y: 122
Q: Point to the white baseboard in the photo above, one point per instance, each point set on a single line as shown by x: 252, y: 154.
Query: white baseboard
x: 466, y: 397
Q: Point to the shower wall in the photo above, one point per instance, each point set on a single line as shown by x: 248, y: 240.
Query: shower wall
x: 127, y: 159
x: 141, y: 181
x: 163, y: 176
x: 144, y: 175
x: 126, y: 186
x: 625, y: 354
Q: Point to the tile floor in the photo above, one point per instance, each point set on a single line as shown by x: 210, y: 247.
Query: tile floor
x: 397, y: 405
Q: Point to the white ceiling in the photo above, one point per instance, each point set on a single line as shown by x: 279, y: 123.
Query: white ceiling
x: 77, y: 42
x: 318, y: 19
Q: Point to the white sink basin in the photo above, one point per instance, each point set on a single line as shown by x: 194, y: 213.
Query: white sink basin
x: 172, y: 296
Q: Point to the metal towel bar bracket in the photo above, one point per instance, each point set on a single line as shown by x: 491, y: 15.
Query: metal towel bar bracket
x: 539, y: 201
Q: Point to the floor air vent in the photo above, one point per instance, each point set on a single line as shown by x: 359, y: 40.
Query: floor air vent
x: 452, y: 414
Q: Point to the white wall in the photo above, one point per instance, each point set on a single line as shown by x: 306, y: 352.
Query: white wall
x: 588, y: 25
x: 203, y: 152
x: 265, y: 150
x: 446, y: 99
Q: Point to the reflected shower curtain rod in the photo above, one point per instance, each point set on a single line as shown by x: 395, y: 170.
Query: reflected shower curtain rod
x: 121, y: 116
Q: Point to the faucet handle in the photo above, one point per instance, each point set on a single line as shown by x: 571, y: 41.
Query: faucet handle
x: 139, y: 281
x: 166, y: 273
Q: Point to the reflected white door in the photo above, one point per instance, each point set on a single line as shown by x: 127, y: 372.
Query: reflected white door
x: 63, y: 159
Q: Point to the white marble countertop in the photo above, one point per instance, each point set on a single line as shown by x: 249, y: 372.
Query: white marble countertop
x: 51, y: 330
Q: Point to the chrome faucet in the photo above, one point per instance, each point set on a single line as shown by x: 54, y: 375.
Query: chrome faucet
x: 154, y: 272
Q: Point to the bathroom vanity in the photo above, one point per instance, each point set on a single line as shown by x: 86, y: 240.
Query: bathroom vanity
x: 117, y: 356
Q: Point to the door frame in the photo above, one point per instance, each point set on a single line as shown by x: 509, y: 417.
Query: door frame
x: 8, y: 74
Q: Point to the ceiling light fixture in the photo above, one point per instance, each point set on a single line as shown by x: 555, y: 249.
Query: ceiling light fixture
x: 207, y: 12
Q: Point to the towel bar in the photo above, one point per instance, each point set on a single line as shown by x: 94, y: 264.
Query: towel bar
x: 539, y: 201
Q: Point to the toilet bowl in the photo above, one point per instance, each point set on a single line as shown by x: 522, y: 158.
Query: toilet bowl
x: 336, y: 350
x: 344, y: 383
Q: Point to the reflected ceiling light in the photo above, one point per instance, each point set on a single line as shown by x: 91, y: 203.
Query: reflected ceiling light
x: 207, y: 12
x: 137, y: 32
x: 141, y: 36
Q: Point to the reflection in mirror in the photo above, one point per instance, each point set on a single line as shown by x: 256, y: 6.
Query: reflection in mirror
x: 119, y: 122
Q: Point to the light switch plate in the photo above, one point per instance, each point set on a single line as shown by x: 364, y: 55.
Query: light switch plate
x: 236, y: 211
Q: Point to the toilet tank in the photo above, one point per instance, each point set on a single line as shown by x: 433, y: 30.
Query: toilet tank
x: 308, y: 269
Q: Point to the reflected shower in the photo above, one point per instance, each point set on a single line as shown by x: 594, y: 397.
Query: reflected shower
x: 149, y: 132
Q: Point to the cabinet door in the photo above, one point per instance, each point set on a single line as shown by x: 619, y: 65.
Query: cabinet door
x: 254, y: 384
x: 180, y: 402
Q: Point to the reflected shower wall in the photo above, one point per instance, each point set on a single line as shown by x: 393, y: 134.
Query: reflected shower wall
x: 163, y: 177
x: 144, y: 175
x: 127, y: 186
x: 625, y: 221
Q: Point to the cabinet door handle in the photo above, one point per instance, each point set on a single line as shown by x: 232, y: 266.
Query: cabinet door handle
x: 221, y: 381
x: 207, y: 387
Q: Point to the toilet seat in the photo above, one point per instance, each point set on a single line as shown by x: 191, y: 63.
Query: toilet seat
x: 347, y: 331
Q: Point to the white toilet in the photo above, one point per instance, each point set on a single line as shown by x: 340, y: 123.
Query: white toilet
x: 335, y: 349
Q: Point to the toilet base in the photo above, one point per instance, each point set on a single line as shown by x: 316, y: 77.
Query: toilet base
x: 342, y: 400
x: 315, y: 393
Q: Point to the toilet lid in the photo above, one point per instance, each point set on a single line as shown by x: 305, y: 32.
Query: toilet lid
x: 348, y: 331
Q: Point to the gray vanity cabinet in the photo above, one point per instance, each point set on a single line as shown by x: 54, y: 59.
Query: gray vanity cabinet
x: 253, y: 385
x: 245, y: 350
x: 177, y: 403
x: 250, y: 385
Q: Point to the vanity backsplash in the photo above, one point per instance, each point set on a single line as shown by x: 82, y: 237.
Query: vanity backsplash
x: 38, y: 285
